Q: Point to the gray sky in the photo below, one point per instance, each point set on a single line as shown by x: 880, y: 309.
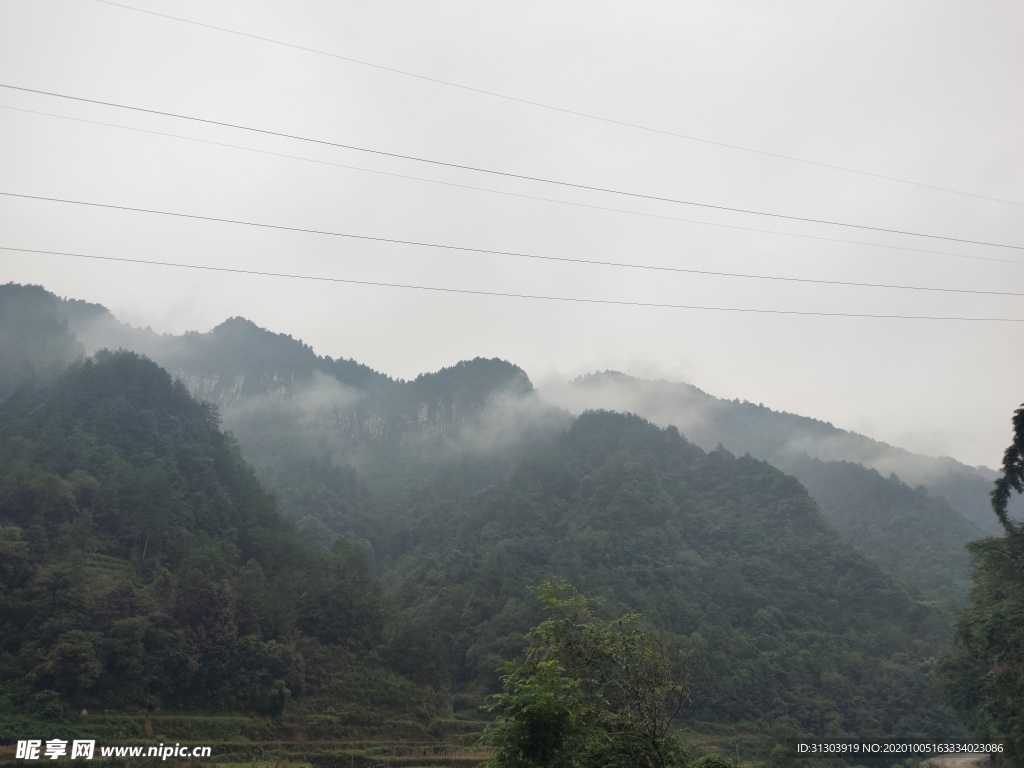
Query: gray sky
x: 926, y: 91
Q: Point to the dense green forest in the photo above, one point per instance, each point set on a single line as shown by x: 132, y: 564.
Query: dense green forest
x: 984, y: 674
x: 778, y: 618
x: 144, y: 564
x: 938, y: 503
x: 777, y: 436
x: 879, y: 515
x: 877, y: 496
x: 375, y: 562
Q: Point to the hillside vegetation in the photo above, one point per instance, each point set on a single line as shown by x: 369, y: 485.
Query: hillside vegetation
x: 144, y: 566
x: 370, y: 571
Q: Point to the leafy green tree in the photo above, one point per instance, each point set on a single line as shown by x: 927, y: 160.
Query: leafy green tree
x: 985, y: 672
x: 339, y: 605
x: 588, y: 693
x: 1012, y: 478
x: 71, y: 665
x: 279, y: 695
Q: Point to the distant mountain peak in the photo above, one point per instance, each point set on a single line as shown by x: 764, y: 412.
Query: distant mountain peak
x: 781, y: 438
x: 247, y: 331
x: 477, y: 379
x: 237, y: 323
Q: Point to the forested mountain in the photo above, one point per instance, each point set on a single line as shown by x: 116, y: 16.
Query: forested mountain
x: 879, y: 497
x: 745, y: 427
x: 909, y: 532
x: 144, y: 565
x: 235, y: 360
x: 35, y: 341
x: 775, y: 615
x: 238, y: 359
x: 414, y: 516
x: 301, y: 415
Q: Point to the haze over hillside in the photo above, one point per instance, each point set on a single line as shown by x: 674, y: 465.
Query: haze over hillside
x: 782, y: 438
x: 438, y: 502
x: 273, y: 389
x: 673, y: 264
x: 383, y: 321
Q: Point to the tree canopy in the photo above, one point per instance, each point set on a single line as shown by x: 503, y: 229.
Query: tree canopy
x: 589, y: 692
x: 985, y: 671
x: 1012, y: 478
x: 142, y: 563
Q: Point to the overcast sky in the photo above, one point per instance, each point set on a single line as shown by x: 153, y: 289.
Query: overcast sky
x: 928, y: 92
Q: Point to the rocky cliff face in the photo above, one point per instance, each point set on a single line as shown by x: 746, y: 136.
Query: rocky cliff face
x: 226, y: 390
x: 402, y: 413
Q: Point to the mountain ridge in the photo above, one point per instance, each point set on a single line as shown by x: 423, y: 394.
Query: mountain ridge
x: 274, y: 390
x: 455, y: 493
x: 781, y: 437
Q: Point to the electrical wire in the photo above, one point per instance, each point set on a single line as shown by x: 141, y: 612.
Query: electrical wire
x: 505, y: 173
x: 553, y: 108
x: 510, y: 295
x: 466, y: 249
x: 507, y: 194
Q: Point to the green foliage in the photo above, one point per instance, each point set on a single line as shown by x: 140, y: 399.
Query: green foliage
x: 786, y: 440
x: 142, y: 564
x: 71, y: 666
x: 775, y: 615
x: 1012, y: 478
x: 469, y: 384
x: 339, y: 604
x: 588, y: 693
x: 984, y: 673
x: 879, y: 515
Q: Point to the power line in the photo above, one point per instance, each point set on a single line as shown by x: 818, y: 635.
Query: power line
x: 503, y: 192
x: 509, y: 295
x: 503, y: 173
x: 553, y: 108
x: 507, y: 194
x: 466, y: 249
